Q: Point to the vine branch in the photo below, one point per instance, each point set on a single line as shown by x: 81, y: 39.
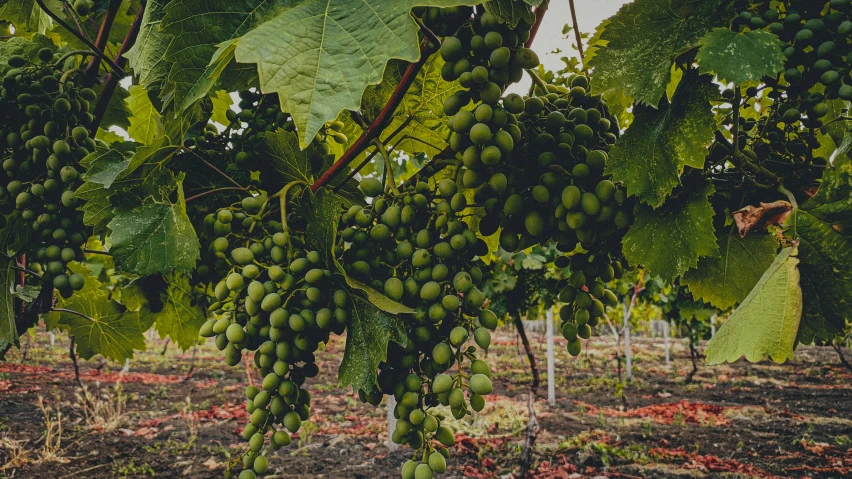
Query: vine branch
x: 115, y: 75
x: 81, y: 37
x: 103, y: 35
x: 375, y: 128
x: 539, y: 17
x: 577, y: 35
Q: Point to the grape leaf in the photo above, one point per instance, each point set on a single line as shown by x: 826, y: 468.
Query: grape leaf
x: 765, y: 324
x: 221, y: 104
x: 740, y: 57
x: 27, y: 16
x: 154, y: 238
x: 322, y: 214
x: 670, y: 240
x: 369, y: 332
x: 100, y: 325
x: 512, y: 11
x: 726, y: 280
x: 179, y: 319
x: 279, y: 154
x: 104, y: 166
x: 145, y: 121
x: 8, y: 330
x: 822, y: 224
x: 320, y: 55
x: 203, y: 38
x: 147, y: 57
x: 637, y: 46
x: 650, y: 157
x: 420, y: 114
x: 117, y: 112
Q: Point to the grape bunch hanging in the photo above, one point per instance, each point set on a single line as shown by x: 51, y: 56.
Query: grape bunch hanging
x: 44, y: 112
x: 413, y: 246
x: 274, y: 297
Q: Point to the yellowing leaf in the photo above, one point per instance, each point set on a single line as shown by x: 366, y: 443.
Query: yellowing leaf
x: 766, y: 323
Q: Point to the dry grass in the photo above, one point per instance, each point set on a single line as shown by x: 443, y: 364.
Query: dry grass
x: 13, y: 453
x: 103, y: 410
x: 51, y: 449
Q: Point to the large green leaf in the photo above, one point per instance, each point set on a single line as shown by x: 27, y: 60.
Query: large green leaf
x: 154, y: 238
x: 369, y: 332
x: 726, y: 280
x: 100, y: 325
x: 669, y: 241
x: 822, y: 225
x: 650, y: 157
x: 765, y: 324
x: 282, y: 160
x: 740, y: 57
x: 197, y: 29
x: 146, y: 124
x: 322, y: 215
x: 320, y: 55
x: 27, y: 16
x: 147, y: 57
x: 104, y: 166
x: 644, y: 37
x: 117, y: 112
x: 181, y: 317
x: 8, y: 330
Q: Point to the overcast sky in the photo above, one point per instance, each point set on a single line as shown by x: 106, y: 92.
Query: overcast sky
x: 590, y: 13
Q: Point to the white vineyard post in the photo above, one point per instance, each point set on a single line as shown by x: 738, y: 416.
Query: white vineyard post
x: 712, y: 325
x: 52, y: 335
x: 551, y: 375
x: 627, y: 353
x: 126, y: 367
x: 666, y: 341
x: 391, y: 404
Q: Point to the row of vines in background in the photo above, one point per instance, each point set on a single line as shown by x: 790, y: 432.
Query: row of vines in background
x: 400, y: 194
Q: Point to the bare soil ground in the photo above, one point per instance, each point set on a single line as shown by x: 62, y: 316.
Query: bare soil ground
x: 741, y: 420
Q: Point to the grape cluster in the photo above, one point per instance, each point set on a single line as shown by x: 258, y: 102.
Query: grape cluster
x: 554, y: 186
x: 443, y: 21
x: 585, y: 295
x: 44, y: 112
x: 415, y: 248
x: 274, y: 297
x: 817, y: 44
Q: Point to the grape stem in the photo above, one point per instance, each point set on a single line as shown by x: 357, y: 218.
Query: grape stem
x: 25, y: 270
x: 375, y: 128
x: 537, y: 81
x: 283, y: 201
x: 215, y: 190
x: 103, y: 35
x: 217, y: 170
x: 97, y: 51
x: 71, y: 54
x: 391, y: 181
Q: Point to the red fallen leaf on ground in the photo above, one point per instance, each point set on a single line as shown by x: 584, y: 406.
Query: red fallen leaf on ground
x: 709, y: 463
x: 559, y: 469
x: 7, y: 386
x: 688, y: 412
